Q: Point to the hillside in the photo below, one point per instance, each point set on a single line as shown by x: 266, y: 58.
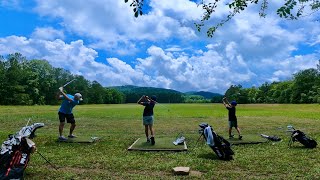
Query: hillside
x: 133, y: 93
x: 205, y: 94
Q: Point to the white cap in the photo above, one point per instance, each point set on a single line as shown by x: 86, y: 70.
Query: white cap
x: 78, y: 96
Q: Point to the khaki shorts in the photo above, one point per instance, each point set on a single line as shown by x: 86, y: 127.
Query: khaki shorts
x: 148, y: 120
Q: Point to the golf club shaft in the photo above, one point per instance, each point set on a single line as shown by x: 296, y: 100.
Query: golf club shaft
x: 163, y: 105
x: 47, y: 160
x: 68, y: 83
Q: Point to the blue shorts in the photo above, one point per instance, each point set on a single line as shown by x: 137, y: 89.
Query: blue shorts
x: 233, y: 124
x: 148, y: 120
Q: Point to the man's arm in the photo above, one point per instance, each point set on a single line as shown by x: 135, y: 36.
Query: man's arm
x: 142, y: 99
x: 64, y: 94
x: 226, y: 102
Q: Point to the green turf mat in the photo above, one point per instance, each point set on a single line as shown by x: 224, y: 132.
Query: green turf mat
x: 162, y: 144
x: 247, y: 139
x: 81, y: 140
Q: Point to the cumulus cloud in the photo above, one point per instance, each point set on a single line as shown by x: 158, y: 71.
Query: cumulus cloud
x: 211, y: 71
x: 111, y: 24
x: 47, y: 33
x: 164, y: 47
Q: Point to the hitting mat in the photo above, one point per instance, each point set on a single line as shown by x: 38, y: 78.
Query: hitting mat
x: 247, y: 139
x: 81, y: 140
x: 162, y: 144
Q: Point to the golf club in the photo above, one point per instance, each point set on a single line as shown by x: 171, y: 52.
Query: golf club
x: 159, y: 104
x: 68, y: 83
x: 47, y: 161
x: 163, y: 106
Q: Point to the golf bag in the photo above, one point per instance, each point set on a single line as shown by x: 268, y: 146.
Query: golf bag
x: 15, y: 152
x: 301, y: 137
x: 217, y: 143
x: 271, y: 138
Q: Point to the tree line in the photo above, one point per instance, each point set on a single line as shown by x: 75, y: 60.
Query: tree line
x: 304, y: 87
x: 36, y: 82
x: 31, y: 82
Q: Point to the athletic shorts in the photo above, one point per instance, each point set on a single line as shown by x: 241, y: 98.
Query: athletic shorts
x: 147, y: 120
x: 233, y: 124
x: 69, y: 117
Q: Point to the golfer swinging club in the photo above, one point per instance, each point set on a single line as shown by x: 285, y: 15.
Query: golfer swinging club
x: 232, y: 116
x: 65, y: 112
x: 148, y: 119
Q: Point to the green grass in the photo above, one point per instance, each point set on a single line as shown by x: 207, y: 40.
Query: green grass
x: 120, y: 125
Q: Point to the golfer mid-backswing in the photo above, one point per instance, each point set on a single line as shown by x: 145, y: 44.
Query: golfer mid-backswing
x: 148, y: 119
x: 232, y: 116
x: 65, y: 112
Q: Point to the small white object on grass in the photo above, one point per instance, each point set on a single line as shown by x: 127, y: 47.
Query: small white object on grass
x: 181, y: 170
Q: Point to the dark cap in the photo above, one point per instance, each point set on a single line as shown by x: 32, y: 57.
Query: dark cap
x: 233, y: 103
x: 153, y: 97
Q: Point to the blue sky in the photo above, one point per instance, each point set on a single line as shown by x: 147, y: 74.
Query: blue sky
x: 102, y: 41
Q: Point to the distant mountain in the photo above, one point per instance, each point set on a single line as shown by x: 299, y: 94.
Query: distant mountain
x: 205, y: 94
x: 128, y: 88
x: 133, y: 93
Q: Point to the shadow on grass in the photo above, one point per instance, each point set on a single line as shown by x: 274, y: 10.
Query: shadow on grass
x: 211, y: 156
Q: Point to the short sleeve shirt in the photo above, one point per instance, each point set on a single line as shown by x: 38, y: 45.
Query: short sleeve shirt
x: 148, y: 109
x: 67, y: 106
x: 232, y: 113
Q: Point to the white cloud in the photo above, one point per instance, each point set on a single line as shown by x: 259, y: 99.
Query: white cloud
x: 212, y: 70
x: 316, y: 40
x: 167, y: 50
x: 10, y: 3
x: 111, y: 24
x: 47, y: 33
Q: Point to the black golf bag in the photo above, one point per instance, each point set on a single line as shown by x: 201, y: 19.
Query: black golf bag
x: 15, y: 152
x: 301, y: 137
x: 219, y: 145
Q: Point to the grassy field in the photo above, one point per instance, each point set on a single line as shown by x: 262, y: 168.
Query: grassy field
x: 120, y: 125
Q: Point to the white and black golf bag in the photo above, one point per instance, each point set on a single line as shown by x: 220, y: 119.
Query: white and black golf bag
x: 15, y: 152
x: 301, y: 137
x: 217, y: 143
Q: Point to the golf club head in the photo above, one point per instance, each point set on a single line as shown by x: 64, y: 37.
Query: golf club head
x: 203, y: 125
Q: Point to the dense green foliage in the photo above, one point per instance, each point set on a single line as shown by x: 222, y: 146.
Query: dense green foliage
x: 205, y: 94
x: 121, y: 124
x: 133, y: 93
x: 29, y: 82
x: 303, y: 88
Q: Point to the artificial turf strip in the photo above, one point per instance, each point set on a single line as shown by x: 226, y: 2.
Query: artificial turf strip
x: 162, y: 144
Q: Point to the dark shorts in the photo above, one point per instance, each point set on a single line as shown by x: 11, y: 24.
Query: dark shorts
x: 233, y: 124
x: 69, y: 117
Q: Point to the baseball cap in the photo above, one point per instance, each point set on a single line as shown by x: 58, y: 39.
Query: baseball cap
x: 233, y: 103
x: 153, y: 97
x: 78, y: 96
